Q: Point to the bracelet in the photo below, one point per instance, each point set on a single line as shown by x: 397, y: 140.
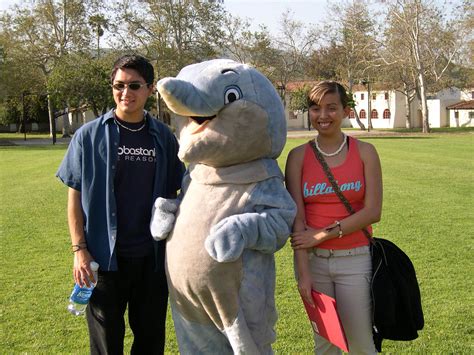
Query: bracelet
x: 338, y: 224
x: 328, y: 229
x: 80, y: 246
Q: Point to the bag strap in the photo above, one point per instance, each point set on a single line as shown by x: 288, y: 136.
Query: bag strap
x: 334, y: 184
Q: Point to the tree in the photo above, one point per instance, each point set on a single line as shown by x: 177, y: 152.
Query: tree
x: 41, y: 32
x: 81, y: 81
x: 428, y: 44
x: 299, y: 100
x: 171, y: 33
x: 20, y: 82
x: 352, y: 31
x: 292, y: 48
x: 99, y: 23
x: 402, y: 79
x: 398, y: 70
x: 251, y: 47
x: 465, y: 19
x: 174, y: 33
x: 324, y: 63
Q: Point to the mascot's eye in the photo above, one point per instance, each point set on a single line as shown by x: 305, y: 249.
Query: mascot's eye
x: 232, y: 94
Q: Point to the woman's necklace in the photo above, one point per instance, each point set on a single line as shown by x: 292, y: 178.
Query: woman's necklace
x: 344, y: 140
x: 131, y: 129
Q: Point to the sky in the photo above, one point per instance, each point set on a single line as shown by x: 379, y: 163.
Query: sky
x: 266, y: 12
x: 269, y: 12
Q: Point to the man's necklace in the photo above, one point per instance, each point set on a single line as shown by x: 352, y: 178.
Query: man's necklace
x: 344, y: 140
x: 131, y: 129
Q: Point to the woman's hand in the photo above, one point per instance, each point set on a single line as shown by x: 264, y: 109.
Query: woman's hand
x: 308, y: 238
x: 305, y: 287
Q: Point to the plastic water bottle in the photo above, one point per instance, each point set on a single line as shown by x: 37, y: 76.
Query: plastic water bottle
x: 80, y: 295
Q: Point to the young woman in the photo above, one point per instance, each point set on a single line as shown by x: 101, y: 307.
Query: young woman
x: 331, y: 251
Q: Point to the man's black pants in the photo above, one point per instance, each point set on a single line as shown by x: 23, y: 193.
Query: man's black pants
x: 145, y: 291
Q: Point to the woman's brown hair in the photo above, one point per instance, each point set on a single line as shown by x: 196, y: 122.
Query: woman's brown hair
x: 327, y: 87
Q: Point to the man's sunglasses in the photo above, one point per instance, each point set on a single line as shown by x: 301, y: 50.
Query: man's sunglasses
x: 131, y: 86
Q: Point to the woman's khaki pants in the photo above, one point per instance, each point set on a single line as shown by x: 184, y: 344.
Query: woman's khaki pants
x: 345, y: 275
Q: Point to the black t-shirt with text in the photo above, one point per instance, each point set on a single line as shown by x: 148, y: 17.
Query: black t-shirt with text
x: 134, y: 189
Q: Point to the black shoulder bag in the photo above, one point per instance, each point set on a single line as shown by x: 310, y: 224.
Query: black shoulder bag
x: 396, y: 302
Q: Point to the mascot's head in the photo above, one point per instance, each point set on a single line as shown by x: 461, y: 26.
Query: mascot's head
x: 235, y: 114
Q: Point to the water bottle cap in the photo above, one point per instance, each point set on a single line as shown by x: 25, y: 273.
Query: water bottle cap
x: 94, y: 266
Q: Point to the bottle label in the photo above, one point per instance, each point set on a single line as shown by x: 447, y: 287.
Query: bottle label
x: 81, y: 295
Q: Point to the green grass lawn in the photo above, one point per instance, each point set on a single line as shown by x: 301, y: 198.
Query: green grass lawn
x: 427, y: 211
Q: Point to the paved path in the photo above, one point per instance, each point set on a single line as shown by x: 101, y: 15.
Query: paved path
x: 32, y: 141
x: 352, y: 132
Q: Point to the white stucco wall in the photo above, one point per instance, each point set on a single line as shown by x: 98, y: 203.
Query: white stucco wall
x: 395, y: 103
x: 434, y: 112
x: 438, y: 115
x: 465, y: 118
x: 296, y: 120
x: 450, y: 94
x: 76, y: 120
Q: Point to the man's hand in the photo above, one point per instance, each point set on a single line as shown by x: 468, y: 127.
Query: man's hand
x: 83, y: 274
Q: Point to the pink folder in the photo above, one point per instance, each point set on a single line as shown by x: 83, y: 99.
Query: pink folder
x: 325, y: 320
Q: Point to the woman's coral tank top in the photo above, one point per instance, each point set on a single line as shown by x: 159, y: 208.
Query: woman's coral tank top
x: 322, y: 206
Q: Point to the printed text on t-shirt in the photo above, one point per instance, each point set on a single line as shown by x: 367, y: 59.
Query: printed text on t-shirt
x: 137, y: 154
x: 324, y: 189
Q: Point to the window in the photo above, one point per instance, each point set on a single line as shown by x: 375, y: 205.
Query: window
x: 362, y: 114
x: 374, y: 114
x: 386, y: 96
x: 456, y: 114
x: 471, y: 115
x: 472, y: 94
x: 374, y: 96
x: 351, y: 114
x: 361, y: 96
x: 386, y: 114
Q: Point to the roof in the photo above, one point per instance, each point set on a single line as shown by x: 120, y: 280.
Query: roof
x: 462, y: 105
x: 294, y: 85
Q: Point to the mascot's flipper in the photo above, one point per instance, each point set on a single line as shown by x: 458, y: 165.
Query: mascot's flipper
x: 163, y: 217
x: 163, y: 214
x: 263, y: 228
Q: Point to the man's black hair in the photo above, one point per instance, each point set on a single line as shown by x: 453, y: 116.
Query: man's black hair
x: 136, y: 62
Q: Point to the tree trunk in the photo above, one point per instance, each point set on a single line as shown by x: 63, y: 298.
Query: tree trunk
x: 95, y: 109
x: 415, y: 37
x: 424, y: 103
x: 52, y: 125
x: 359, y: 122
x: 407, y: 106
x: 158, y: 105
x: 21, y: 127
x: 66, y: 125
x: 408, y: 112
x: 356, y: 115
x: 369, y: 106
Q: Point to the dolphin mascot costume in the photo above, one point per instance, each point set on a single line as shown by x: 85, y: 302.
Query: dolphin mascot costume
x: 234, y: 212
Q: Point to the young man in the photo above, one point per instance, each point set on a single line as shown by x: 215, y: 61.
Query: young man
x: 115, y: 168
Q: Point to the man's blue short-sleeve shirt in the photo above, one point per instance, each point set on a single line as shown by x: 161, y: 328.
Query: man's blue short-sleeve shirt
x: 89, y: 167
